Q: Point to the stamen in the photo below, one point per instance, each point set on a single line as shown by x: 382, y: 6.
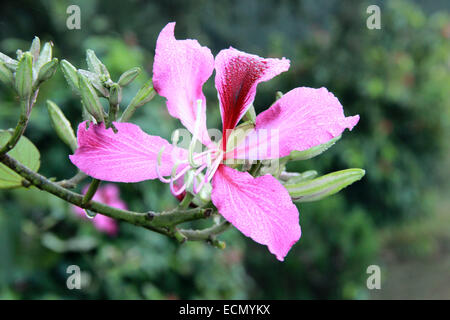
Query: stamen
x: 158, y: 164
x: 195, y: 135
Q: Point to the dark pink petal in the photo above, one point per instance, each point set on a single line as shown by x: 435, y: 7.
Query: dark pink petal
x: 180, y: 69
x: 260, y: 208
x: 237, y: 75
x: 301, y: 119
x: 130, y: 155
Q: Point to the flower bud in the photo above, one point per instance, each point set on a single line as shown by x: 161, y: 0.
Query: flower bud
x: 10, y: 63
x: 90, y: 98
x: 324, y: 186
x: 115, y: 94
x: 61, y: 125
x: 94, y: 79
x: 47, y: 71
x: 6, y: 76
x: 44, y: 57
x: 311, y: 152
x: 70, y: 73
x: 128, y: 76
x: 278, y: 95
x: 35, y: 48
x: 96, y: 66
x: 24, y: 76
x: 144, y: 95
x: 251, y: 114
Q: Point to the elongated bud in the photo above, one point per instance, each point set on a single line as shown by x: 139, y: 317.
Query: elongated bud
x: 144, y: 95
x: 61, y: 125
x: 251, y: 114
x: 94, y: 79
x: 70, y: 73
x: 295, y: 177
x: 35, y: 48
x: 44, y: 57
x: 24, y: 76
x: 238, y: 134
x: 6, y: 76
x: 311, y: 152
x: 10, y: 63
x: 278, y: 95
x: 90, y: 98
x: 128, y: 76
x: 96, y: 66
x: 115, y: 94
x: 324, y: 186
x: 47, y: 71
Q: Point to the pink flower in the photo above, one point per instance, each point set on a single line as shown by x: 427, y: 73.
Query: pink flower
x: 107, y: 194
x: 260, y: 207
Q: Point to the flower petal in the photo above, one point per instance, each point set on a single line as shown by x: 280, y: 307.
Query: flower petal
x: 180, y: 69
x: 130, y: 155
x: 237, y: 75
x: 260, y: 208
x: 301, y: 119
x: 105, y: 224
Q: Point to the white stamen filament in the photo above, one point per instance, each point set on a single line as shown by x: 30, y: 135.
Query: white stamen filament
x: 209, y: 160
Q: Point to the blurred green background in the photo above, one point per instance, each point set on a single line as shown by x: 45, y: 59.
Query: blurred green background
x: 397, y: 216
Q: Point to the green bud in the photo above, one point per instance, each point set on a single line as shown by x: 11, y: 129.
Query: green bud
x: 311, y: 152
x: 90, y: 98
x: 24, y: 76
x: 10, y: 63
x: 128, y: 76
x: 295, y: 177
x: 61, y: 125
x: 144, y: 95
x: 44, y: 57
x: 115, y: 94
x: 35, y: 48
x: 95, y: 65
x: 6, y: 76
x: 278, y: 95
x: 96, y: 82
x: 251, y: 114
x: 47, y: 71
x: 324, y: 186
x: 238, y: 135
x: 70, y: 73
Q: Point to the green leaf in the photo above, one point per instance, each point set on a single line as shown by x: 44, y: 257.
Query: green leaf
x: 312, y: 152
x: 327, y: 185
x: 24, y: 152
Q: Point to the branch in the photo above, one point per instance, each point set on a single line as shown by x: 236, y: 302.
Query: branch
x: 74, y: 181
x: 159, y: 222
x: 20, y: 127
